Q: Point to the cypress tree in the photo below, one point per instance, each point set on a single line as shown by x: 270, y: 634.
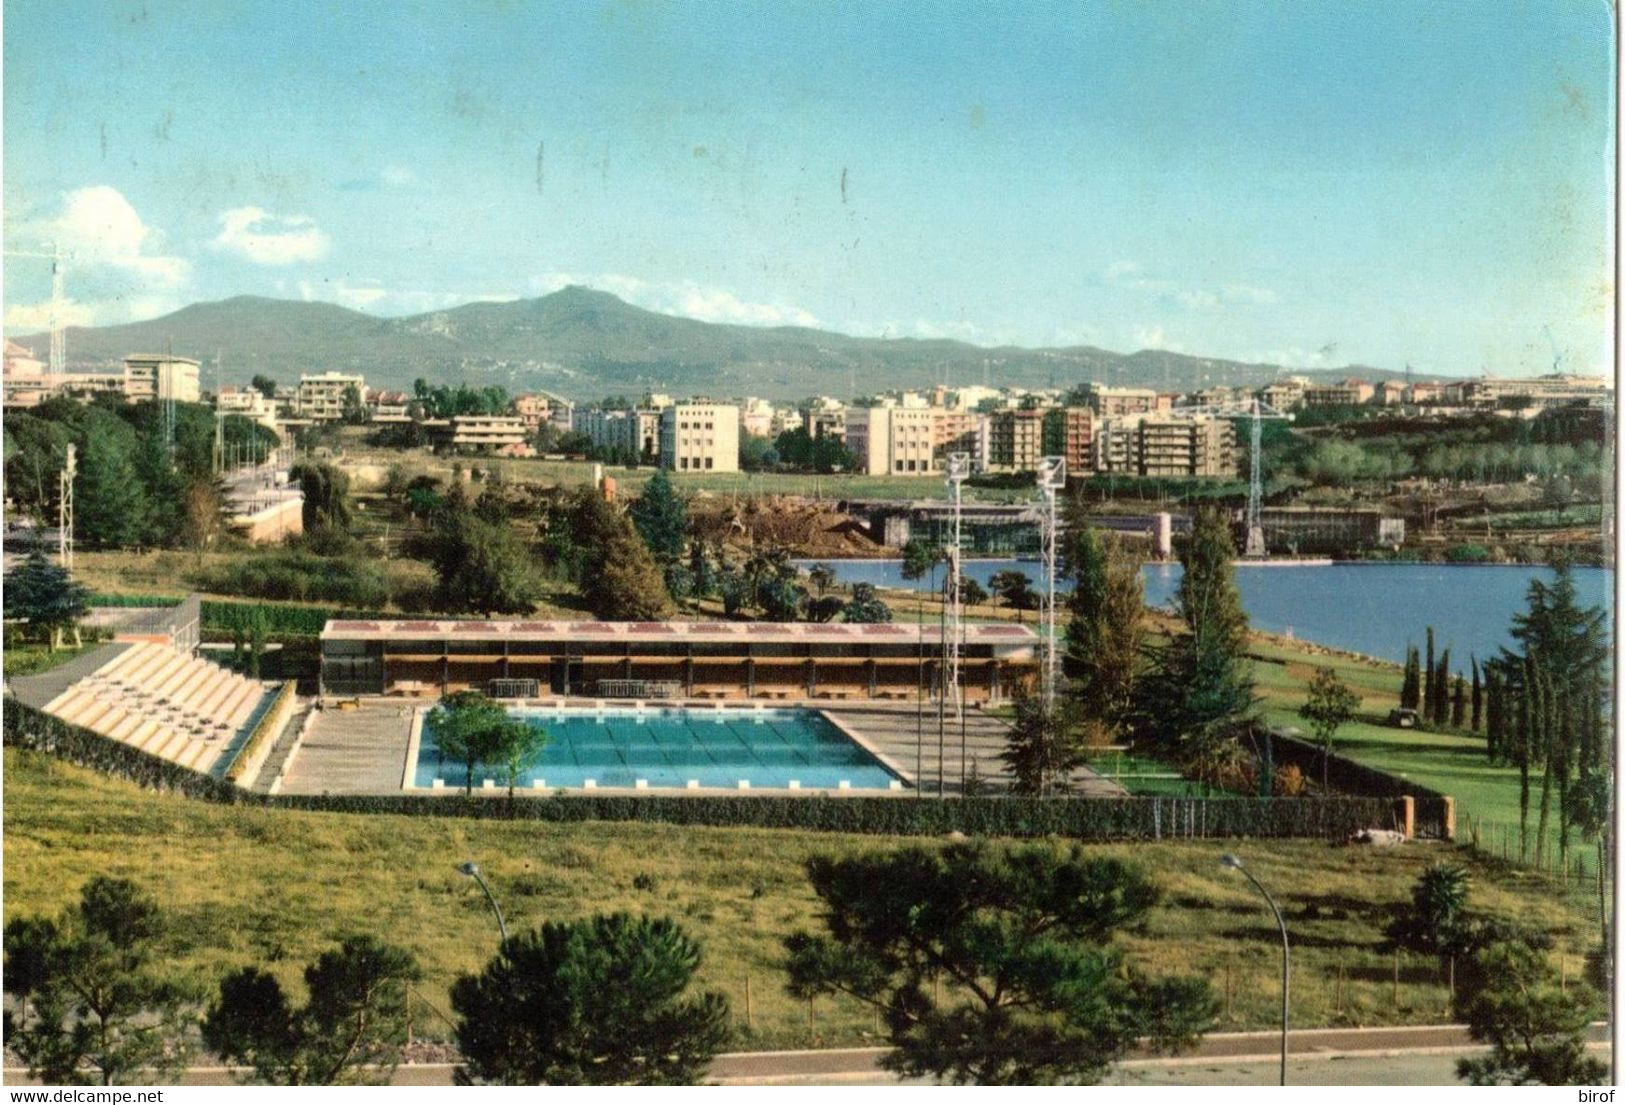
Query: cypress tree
x: 1524, y: 740
x: 1441, y: 690
x: 1458, y: 703
x: 1427, y: 685
x: 1478, y: 696
x: 1410, y: 691
x: 1546, y: 748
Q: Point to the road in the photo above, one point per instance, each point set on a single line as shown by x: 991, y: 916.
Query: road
x: 1414, y: 1056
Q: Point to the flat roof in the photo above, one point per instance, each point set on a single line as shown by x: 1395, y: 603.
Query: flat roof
x: 769, y: 632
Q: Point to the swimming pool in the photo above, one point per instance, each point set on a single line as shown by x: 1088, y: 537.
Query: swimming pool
x: 681, y: 748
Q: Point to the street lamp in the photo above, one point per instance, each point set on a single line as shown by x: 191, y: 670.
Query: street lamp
x: 472, y: 870
x: 1229, y: 860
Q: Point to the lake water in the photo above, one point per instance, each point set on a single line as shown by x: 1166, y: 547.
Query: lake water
x: 1376, y: 609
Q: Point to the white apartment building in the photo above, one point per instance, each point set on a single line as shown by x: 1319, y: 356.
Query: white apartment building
x: 700, y: 436
x: 320, y: 398
x: 251, y: 403
x: 893, y: 440
x: 492, y: 433
x: 149, y: 376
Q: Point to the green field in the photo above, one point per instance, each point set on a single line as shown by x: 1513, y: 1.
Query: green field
x: 275, y: 886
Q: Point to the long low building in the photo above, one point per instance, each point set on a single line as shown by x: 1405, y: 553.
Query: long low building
x: 793, y: 660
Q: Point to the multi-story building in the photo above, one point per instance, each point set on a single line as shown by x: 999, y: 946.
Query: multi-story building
x: 1079, y: 441
x: 824, y: 417
x: 1015, y: 440
x: 250, y: 403
x: 1424, y: 392
x: 1115, y: 445
x: 149, y: 376
x: 389, y: 406
x: 1199, y: 446
x: 1110, y: 402
x: 893, y: 440
x: 1388, y: 393
x: 320, y: 398
x: 623, y: 431
x: 756, y: 417
x: 1283, y: 395
x: 1540, y: 391
x: 1348, y: 393
x: 700, y: 436
x: 27, y: 384
x: 489, y: 433
x: 959, y: 431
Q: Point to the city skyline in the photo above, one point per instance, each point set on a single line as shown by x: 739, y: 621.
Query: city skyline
x: 1310, y: 187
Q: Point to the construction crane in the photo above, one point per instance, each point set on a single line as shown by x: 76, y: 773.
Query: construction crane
x: 1258, y: 411
x: 59, y: 273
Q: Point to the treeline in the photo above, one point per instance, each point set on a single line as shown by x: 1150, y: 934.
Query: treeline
x: 132, y: 488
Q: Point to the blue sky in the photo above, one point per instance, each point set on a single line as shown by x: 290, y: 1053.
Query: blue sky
x: 1311, y: 183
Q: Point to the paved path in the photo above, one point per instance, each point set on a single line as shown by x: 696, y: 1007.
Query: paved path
x: 1409, y: 1056
x: 360, y: 751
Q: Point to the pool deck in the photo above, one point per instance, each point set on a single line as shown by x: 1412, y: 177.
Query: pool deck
x: 366, y: 749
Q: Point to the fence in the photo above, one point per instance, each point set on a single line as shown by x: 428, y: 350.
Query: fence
x: 1073, y: 818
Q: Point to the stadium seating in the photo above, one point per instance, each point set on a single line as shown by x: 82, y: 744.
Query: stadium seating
x: 163, y: 702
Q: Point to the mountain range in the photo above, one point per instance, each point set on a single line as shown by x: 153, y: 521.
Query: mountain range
x: 585, y: 344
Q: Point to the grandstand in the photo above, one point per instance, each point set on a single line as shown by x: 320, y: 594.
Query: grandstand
x: 161, y: 700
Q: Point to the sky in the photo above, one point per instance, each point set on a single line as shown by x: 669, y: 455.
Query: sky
x: 1313, y: 184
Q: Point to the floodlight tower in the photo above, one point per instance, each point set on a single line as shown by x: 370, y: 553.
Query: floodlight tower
x: 57, y: 320
x: 953, y: 601
x: 64, y: 509
x: 219, y: 420
x: 1051, y: 481
x: 1255, y: 487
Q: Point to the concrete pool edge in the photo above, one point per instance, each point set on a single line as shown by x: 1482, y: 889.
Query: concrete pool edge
x: 902, y: 785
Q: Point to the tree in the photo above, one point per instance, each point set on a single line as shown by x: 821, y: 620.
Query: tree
x: 110, y: 500
x: 481, y: 566
x: 1478, y: 696
x: 661, y: 518
x: 1016, y: 589
x: 1458, y: 703
x: 619, y: 578
x: 202, y: 513
x: 1427, y: 685
x: 90, y: 998
x: 865, y: 605
x: 1410, y: 691
x: 602, y: 1001
x: 1535, y: 1027
x: 469, y: 729
x: 822, y: 577
x: 920, y: 557
x: 349, y: 1032
x: 1440, y: 709
x: 1105, y: 630
x: 353, y: 411
x: 1330, y: 706
x: 45, y: 596
x: 971, y: 593
x: 327, y: 495
x: 1199, y: 696
x: 994, y: 966
x: 517, y: 745
x: 1042, y: 749
x: 264, y: 385
x: 1436, y: 917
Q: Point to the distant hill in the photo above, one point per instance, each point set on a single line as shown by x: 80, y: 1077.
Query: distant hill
x: 586, y: 344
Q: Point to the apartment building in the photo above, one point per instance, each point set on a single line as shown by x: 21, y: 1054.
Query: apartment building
x: 1110, y: 402
x: 700, y: 436
x: 899, y: 441
x: 1348, y: 393
x: 1184, y: 448
x: 1283, y: 395
x: 487, y: 433
x: 960, y: 431
x: 1079, y: 440
x: 148, y: 376
x: 389, y: 406
x: 824, y: 417
x: 320, y: 398
x: 250, y: 403
x: 1015, y: 440
x: 1540, y: 391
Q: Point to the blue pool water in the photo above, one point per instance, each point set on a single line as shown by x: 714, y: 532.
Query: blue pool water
x: 669, y: 747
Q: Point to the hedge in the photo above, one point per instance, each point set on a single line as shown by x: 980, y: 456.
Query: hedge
x: 265, y: 729
x: 133, y: 601
x: 1079, y: 818
x: 280, y: 621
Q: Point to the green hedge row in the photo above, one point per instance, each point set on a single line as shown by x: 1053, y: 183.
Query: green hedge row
x: 105, y: 599
x: 266, y: 728
x: 280, y: 621
x: 26, y: 727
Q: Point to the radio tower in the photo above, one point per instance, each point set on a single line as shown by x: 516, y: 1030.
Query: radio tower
x: 64, y: 509
x: 1051, y: 480
x: 57, y: 364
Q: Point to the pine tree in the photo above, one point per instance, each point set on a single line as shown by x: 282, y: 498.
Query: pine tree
x: 1105, y: 633
x: 45, y: 596
x: 110, y: 502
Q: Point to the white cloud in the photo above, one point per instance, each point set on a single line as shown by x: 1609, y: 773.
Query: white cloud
x: 34, y: 317
x: 1154, y: 337
x: 1130, y: 276
x: 685, y: 298
x: 266, y: 239
x: 100, y: 228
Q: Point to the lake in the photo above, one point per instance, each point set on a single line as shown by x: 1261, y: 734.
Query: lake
x: 1374, y: 608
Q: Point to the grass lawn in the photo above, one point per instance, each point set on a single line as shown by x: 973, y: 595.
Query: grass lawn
x: 32, y: 658
x: 275, y: 887
x: 1486, y: 794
